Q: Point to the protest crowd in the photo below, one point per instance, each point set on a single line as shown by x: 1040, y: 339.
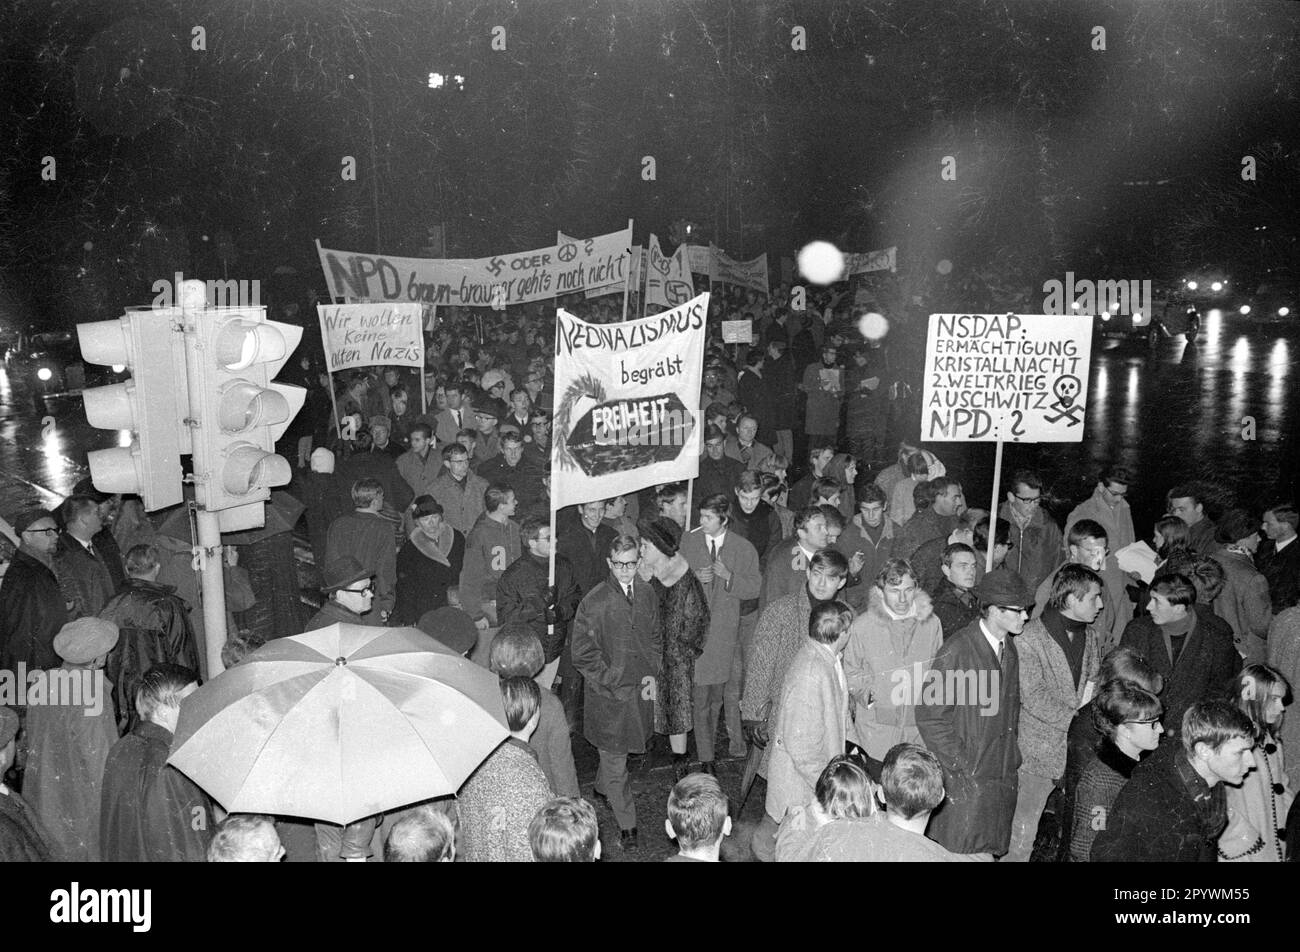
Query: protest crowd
x: 815, y: 603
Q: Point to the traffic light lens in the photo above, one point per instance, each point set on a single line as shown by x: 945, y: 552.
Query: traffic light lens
x: 109, y: 408
x: 240, y: 344
x: 245, y: 405
x: 248, y: 467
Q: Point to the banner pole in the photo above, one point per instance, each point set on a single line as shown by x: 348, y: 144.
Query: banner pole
x: 627, y: 283
x: 993, y: 508
x: 329, y: 372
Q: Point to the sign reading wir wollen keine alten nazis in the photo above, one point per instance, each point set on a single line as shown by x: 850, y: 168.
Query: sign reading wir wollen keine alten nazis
x: 627, y: 399
x: 368, y: 335
x: 1015, y: 377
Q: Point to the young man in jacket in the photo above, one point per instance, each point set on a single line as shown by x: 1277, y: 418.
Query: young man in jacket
x: 812, y: 722
x: 370, y: 538
x: 1059, y: 658
x: 970, y: 705
x: 1036, y: 543
x: 617, y: 647
x: 1174, y: 808
x: 523, y: 596
x: 490, y: 548
x: 1189, y: 645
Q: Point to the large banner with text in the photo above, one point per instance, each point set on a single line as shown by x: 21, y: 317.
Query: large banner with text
x: 369, y: 335
x: 627, y: 398
x: 540, y: 274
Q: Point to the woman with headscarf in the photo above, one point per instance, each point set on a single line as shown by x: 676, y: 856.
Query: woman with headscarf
x: 684, y: 614
x: 428, y: 564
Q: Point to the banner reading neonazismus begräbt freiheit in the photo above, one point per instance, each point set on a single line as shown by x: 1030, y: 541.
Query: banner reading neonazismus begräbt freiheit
x: 626, y: 401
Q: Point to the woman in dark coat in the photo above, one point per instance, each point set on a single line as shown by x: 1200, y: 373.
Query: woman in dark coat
x: 428, y: 563
x: 684, y: 616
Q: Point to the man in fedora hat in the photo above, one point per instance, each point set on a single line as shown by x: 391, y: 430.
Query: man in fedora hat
x: 349, y: 588
x: 68, y: 740
x: 968, y: 707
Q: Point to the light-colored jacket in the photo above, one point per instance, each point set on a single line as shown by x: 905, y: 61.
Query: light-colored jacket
x: 885, y: 663
x: 1048, y: 698
x: 714, y: 666
x: 757, y: 452
x: 1118, y: 522
x: 810, y: 727
x: 418, y: 473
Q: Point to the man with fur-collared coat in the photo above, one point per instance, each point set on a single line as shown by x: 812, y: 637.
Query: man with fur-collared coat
x: 618, y: 648
x: 891, y: 646
x: 970, y: 707
x: 812, y: 721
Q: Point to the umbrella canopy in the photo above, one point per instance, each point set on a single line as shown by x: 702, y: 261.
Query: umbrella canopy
x: 339, y: 724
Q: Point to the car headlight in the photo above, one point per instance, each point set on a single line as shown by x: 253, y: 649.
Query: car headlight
x: 1283, y: 311
x: 118, y: 368
x: 44, y: 373
x: 1244, y: 309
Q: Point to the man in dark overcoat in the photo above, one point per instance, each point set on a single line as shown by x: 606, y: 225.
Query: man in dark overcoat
x: 967, y: 714
x: 618, y: 649
x: 32, y: 605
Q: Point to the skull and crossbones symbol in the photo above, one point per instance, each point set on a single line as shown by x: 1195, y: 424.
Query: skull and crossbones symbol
x: 1067, y: 390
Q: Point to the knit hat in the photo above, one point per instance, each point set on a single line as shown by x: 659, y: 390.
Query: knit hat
x: 322, y: 460
x: 663, y: 534
x: 491, y: 379
x: 450, y: 627
x: 84, y: 640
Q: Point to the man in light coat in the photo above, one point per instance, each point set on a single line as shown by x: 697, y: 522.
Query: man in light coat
x: 890, y: 648
x: 812, y: 722
x: 1059, y: 657
x: 1244, y: 600
x: 617, y: 647
x: 1109, y: 507
x: 727, y: 566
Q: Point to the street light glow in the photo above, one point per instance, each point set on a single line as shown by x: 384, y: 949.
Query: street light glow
x: 1216, y: 286
x: 1191, y: 285
x: 437, y: 80
x: 1245, y: 309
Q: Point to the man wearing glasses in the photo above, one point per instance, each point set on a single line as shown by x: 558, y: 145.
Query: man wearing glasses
x: 32, y: 606
x: 1108, y: 506
x: 350, y: 590
x: 618, y: 649
x: 1035, y: 537
x: 967, y: 716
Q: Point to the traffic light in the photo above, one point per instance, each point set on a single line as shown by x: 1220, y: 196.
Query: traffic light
x: 238, y: 410
x: 153, y: 404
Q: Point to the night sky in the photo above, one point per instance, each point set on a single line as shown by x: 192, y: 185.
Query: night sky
x: 227, y: 159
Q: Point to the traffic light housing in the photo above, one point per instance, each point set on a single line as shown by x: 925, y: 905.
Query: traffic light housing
x: 238, y: 410
x: 153, y: 404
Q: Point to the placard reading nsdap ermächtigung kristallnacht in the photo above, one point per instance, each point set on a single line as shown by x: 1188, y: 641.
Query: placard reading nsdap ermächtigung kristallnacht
x: 1015, y: 377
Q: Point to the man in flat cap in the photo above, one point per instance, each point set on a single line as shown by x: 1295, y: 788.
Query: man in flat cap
x: 969, y: 705
x: 68, y: 739
x: 23, y: 838
x: 349, y: 588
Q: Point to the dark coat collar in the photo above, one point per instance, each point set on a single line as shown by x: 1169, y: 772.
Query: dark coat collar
x: 1115, y: 759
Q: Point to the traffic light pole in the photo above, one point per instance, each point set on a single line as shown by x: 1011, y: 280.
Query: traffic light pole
x: 212, y: 574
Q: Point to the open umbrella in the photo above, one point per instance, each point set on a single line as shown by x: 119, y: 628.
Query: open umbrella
x: 339, y: 724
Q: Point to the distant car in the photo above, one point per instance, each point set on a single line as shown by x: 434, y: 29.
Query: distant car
x: 1269, y: 304
x: 51, y: 363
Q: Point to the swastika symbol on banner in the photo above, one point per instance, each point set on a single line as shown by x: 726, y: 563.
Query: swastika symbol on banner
x: 567, y: 251
x: 496, y: 265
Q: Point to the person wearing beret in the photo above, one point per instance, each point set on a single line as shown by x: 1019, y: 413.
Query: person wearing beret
x: 967, y: 716
x: 68, y: 743
x: 349, y: 588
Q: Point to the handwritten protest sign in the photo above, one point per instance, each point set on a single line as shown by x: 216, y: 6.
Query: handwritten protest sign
x: 748, y: 274
x: 861, y: 262
x: 1014, y: 377
x: 367, y: 335
x: 624, y: 403
x: 737, y: 332
x: 573, y: 265
x: 668, y: 279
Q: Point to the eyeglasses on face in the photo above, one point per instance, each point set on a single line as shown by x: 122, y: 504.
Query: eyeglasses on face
x: 368, y: 590
x: 620, y: 564
x: 42, y: 531
x: 1148, y: 721
x: 1027, y: 500
x: 1014, y: 608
